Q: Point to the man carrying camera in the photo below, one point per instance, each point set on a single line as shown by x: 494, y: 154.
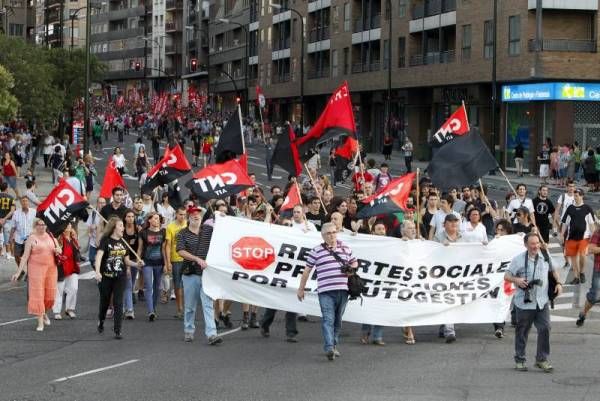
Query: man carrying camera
x: 529, y: 272
x: 333, y: 262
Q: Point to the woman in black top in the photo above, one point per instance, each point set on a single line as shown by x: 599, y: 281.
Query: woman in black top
x: 523, y: 224
x: 130, y: 235
x: 152, y: 249
x: 112, y: 264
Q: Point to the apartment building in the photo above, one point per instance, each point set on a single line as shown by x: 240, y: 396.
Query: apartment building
x: 17, y: 18
x: 195, y: 57
x: 428, y: 56
x: 60, y: 23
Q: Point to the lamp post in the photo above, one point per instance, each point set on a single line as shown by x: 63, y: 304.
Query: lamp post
x: 72, y: 16
x: 227, y: 21
x: 279, y: 7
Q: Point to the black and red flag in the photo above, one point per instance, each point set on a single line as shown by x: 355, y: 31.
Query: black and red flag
x: 292, y: 199
x: 390, y: 199
x: 285, y: 154
x: 347, y: 149
x: 219, y: 181
x: 337, y: 119
x: 62, y: 204
x: 232, y: 137
x: 457, y: 124
x: 173, y: 165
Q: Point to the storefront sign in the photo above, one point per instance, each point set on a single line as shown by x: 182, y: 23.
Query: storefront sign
x: 551, y: 91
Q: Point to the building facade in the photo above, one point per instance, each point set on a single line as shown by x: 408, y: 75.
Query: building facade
x: 426, y: 57
x: 60, y: 23
x: 17, y: 18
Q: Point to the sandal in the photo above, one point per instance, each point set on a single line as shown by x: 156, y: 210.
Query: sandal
x: 409, y: 337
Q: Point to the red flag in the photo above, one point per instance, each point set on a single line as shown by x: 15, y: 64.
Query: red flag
x: 173, y: 165
x: 112, y: 179
x: 286, y: 155
x: 243, y: 160
x: 456, y: 124
x: 348, y: 149
x: 260, y: 97
x: 59, y: 207
x: 120, y: 101
x: 337, y: 119
x: 291, y: 199
x: 219, y: 181
x: 391, y: 198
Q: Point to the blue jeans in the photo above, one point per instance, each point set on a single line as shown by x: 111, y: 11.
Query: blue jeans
x: 152, y: 275
x: 376, y: 332
x: 128, y: 297
x: 192, y: 293
x: 333, y: 304
x: 177, y: 282
x: 92, y: 255
x: 593, y: 295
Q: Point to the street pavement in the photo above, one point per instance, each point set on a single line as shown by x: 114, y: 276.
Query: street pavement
x: 71, y: 361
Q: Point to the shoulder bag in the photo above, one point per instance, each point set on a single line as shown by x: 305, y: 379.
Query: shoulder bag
x: 190, y: 267
x: 356, y: 285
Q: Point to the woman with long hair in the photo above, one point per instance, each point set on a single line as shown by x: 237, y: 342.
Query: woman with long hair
x: 10, y: 172
x: 152, y: 248
x: 165, y: 210
x: 142, y: 165
x: 131, y: 236
x: 111, y: 265
x: 119, y: 159
x: 90, y: 173
x: 38, y: 263
x: 68, y: 274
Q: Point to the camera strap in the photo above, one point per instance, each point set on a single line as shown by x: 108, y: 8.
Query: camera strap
x: 335, y: 255
x: 535, y: 262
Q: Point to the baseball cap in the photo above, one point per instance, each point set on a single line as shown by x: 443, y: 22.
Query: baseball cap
x: 194, y: 209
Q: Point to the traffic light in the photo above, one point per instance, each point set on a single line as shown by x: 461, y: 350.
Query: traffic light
x: 238, y: 99
x: 138, y: 66
x: 193, y: 64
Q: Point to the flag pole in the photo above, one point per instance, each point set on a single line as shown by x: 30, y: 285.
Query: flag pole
x: 302, y: 204
x: 316, y: 191
x: 262, y: 123
x: 106, y: 222
x: 418, y: 206
x: 360, y: 166
x: 242, y: 129
x: 507, y: 180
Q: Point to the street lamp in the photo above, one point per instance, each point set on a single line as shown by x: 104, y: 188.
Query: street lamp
x: 279, y: 7
x: 227, y: 21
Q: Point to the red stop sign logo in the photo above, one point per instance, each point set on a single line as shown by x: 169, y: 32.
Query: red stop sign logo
x: 252, y: 253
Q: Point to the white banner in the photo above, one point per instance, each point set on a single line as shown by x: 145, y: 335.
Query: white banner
x: 412, y: 283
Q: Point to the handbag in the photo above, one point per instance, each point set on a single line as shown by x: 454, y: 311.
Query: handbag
x: 58, y: 259
x: 190, y: 267
x: 356, y: 285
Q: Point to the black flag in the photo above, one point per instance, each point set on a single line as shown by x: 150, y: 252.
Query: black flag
x: 285, y: 154
x: 231, y: 138
x: 461, y: 161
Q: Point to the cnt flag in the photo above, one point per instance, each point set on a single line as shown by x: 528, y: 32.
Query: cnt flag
x: 347, y: 149
x: 457, y: 124
x: 260, y: 97
x: 173, y: 165
x: 337, y: 119
x: 285, y: 154
x: 219, y: 181
x: 291, y: 199
x: 60, y: 206
x: 232, y: 137
x: 112, y: 179
x: 390, y: 199
x: 460, y: 162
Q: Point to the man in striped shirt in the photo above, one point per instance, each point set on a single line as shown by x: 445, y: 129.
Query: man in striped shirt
x: 332, y: 284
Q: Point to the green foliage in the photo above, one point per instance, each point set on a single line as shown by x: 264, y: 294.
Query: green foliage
x: 9, y: 105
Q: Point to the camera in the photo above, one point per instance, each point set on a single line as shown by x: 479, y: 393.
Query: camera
x: 346, y: 269
x: 530, y: 285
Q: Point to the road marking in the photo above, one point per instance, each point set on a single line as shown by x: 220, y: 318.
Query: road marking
x: 89, y: 372
x: 17, y: 321
x: 88, y: 275
x: 12, y: 288
x: 563, y: 306
x: 254, y: 157
x: 226, y: 333
x: 277, y: 177
x: 555, y: 318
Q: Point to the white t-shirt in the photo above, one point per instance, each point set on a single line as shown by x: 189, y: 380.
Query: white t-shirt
x: 473, y: 234
x: 563, y: 202
x: 303, y: 226
x: 167, y: 212
x: 517, y: 203
x: 119, y: 160
x: 437, y: 220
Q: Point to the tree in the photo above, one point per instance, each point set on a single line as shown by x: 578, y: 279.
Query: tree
x: 9, y: 105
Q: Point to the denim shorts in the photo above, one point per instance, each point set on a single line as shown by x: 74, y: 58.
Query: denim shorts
x: 177, y: 280
x: 593, y: 295
x: 11, y: 180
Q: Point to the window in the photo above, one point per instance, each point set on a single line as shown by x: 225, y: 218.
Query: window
x: 346, y: 60
x: 346, y: 17
x: 335, y: 21
x: 15, y: 29
x: 401, y: 52
x: 402, y: 8
x: 466, y: 42
x: 488, y: 39
x: 514, y: 35
x: 386, y: 54
x: 334, y: 63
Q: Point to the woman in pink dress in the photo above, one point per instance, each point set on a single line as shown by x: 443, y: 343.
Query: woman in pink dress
x: 38, y: 263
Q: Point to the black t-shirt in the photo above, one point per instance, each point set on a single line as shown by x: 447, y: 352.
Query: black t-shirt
x: 519, y: 151
x: 575, y: 219
x: 545, y: 157
x: 153, y: 241
x: 132, y: 240
x: 108, y: 211
x: 7, y: 201
x: 113, y: 258
x: 542, y: 209
x: 316, y: 218
x: 520, y: 228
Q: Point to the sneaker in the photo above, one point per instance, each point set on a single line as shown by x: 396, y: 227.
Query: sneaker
x: 109, y: 313
x: 575, y: 281
x: 100, y: 326
x: 450, y: 339
x: 178, y: 315
x: 378, y: 342
x: 545, y: 366
x: 151, y: 316
x: 253, y: 321
x: 9, y: 256
x: 499, y: 333
x: 520, y: 366
x: 118, y: 335
x: 188, y: 337
x: 214, y: 340
x: 330, y: 355
x: 58, y: 316
x: 129, y: 315
x: 291, y: 339
x: 582, y: 278
x: 336, y: 353
x: 580, y: 320
x: 173, y: 296
x: 265, y: 332
x: 71, y: 314
x: 245, y: 321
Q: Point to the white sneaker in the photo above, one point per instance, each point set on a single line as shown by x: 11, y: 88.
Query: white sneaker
x: 46, y: 320
x: 57, y: 316
x: 9, y: 256
x: 172, y: 295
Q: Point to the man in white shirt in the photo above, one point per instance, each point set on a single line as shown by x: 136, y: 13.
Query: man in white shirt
x: 299, y: 220
x: 564, y: 201
x: 521, y: 201
x: 437, y: 221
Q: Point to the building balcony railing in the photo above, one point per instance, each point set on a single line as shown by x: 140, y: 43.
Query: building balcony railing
x: 358, y: 68
x: 174, y: 5
x: 281, y: 44
x: 364, y: 24
x: 433, y: 7
x: 318, y: 34
x: 52, y: 3
x: 172, y: 27
x: 281, y: 78
x: 432, y: 58
x: 564, y: 45
x: 53, y: 16
x: 318, y: 73
x: 172, y: 71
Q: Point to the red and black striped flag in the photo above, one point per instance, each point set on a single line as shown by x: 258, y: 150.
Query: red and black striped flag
x: 390, y: 199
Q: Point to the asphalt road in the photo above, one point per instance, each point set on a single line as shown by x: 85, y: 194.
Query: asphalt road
x: 71, y: 361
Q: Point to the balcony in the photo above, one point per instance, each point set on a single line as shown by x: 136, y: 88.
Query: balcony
x: 281, y: 44
x: 281, y: 78
x: 365, y: 24
x: 433, y: 7
x: 254, y: 14
x: 564, y: 45
x: 358, y: 68
x: 174, y: 5
x: 587, y: 5
x: 432, y: 58
x: 318, y: 73
x: 170, y: 71
x: 318, y: 34
x: 52, y: 3
x: 172, y: 49
x: 53, y: 16
x: 173, y: 27
x: 125, y: 12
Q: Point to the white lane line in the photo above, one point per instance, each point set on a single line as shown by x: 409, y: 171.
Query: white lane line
x: 254, y: 157
x: 12, y: 288
x: 563, y: 306
x: 89, y: 372
x: 17, y: 321
x: 88, y: 275
x: 226, y: 333
x: 276, y: 177
x: 555, y: 318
